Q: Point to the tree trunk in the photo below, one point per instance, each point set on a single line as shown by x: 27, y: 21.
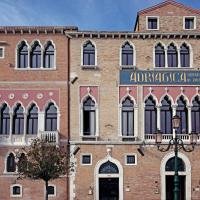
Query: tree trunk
x: 46, y: 194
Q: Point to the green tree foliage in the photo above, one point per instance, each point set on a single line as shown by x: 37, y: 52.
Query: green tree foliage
x: 42, y: 160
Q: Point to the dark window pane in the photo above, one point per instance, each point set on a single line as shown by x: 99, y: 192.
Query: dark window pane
x: 18, y: 120
x: 49, y: 56
x: 32, y: 120
x: 150, y: 116
x: 5, y: 120
x: 170, y: 165
x: 172, y: 56
x: 86, y: 159
x: 196, y: 115
x: 23, y: 56
x: 35, y: 56
x: 108, y: 168
x: 152, y: 23
x: 51, y: 190
x: 11, y: 166
x: 182, y: 112
x: 51, y: 118
x: 185, y: 55
x: 159, y: 56
x: 130, y: 159
x: 189, y: 23
x: 16, y: 190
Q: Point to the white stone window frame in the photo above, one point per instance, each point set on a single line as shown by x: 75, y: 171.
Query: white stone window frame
x: 158, y: 22
x: 55, y: 191
x: 29, y: 52
x: 190, y: 17
x: 81, y: 159
x: 3, y: 52
x: 134, y: 56
x: 16, y: 195
x: 81, y: 116
x: 89, y: 66
x: 135, y: 110
x: 130, y: 154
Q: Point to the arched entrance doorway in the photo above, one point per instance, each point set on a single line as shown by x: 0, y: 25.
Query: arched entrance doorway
x: 167, y: 177
x: 109, y: 180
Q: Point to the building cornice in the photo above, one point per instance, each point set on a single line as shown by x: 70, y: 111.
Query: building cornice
x: 36, y: 29
x: 134, y: 35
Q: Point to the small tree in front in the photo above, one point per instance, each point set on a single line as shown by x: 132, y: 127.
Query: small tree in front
x: 43, y: 161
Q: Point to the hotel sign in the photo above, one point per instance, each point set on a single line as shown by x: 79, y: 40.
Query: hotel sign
x: 157, y: 77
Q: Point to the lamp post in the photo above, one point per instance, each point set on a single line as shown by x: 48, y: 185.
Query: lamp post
x: 178, y: 144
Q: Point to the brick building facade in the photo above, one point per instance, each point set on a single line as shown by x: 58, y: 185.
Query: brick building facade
x: 126, y: 86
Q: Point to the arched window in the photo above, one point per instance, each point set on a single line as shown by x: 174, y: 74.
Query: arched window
x: 108, y: 168
x: 182, y: 112
x: 159, y: 56
x: 88, y: 53
x: 89, y: 117
x: 172, y: 56
x: 11, y: 165
x: 36, y: 55
x: 185, y: 55
x: 32, y: 120
x: 18, y: 120
x: 170, y: 165
x: 51, y: 118
x: 5, y: 120
x: 127, y: 54
x: 150, y: 116
x: 23, y: 55
x: 196, y: 115
x: 166, y: 116
x: 127, y: 117
x: 49, y: 56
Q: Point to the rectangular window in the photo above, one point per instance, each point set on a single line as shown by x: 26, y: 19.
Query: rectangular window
x: 131, y: 159
x: 189, y: 23
x: 51, y: 191
x: 1, y: 52
x: 86, y: 159
x: 152, y: 23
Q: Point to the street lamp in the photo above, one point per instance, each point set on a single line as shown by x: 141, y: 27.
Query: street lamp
x: 178, y: 144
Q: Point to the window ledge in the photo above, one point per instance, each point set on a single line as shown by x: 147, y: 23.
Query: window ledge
x: 35, y: 69
x: 89, y: 67
x: 127, y: 67
x: 89, y: 137
x: 128, y: 138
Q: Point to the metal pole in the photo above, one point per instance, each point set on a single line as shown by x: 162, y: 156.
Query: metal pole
x: 176, y: 177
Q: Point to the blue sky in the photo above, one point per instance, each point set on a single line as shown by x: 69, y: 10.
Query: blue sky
x: 116, y: 15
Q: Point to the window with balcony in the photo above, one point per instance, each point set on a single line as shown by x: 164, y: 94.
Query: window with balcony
x: 89, y: 117
x: 10, y: 163
x: 185, y: 55
x: 49, y: 55
x: 196, y: 115
x: 23, y: 55
x: 159, y: 56
x: 127, y: 55
x: 32, y: 120
x: 127, y: 117
x: 51, y: 118
x: 35, y: 55
x: 18, y: 120
x: 150, y: 116
x: 5, y: 120
x: 172, y: 56
x: 89, y: 54
x: 182, y: 112
x: 166, y: 116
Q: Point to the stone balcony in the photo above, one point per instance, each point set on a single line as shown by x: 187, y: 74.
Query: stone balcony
x: 23, y: 140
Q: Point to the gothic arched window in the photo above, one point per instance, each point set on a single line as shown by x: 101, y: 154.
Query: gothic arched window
x: 10, y: 164
x: 196, y: 115
x: 166, y: 116
x: 89, y: 117
x: 22, y: 55
x: 49, y: 56
x: 108, y: 168
x: 170, y: 165
x: 18, y: 120
x: 35, y: 56
x: 185, y: 55
x: 150, y: 116
x: 172, y: 56
x: 32, y: 120
x: 127, y: 117
x: 51, y: 118
x: 88, y: 54
x: 159, y: 56
x: 127, y: 54
x: 5, y: 120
